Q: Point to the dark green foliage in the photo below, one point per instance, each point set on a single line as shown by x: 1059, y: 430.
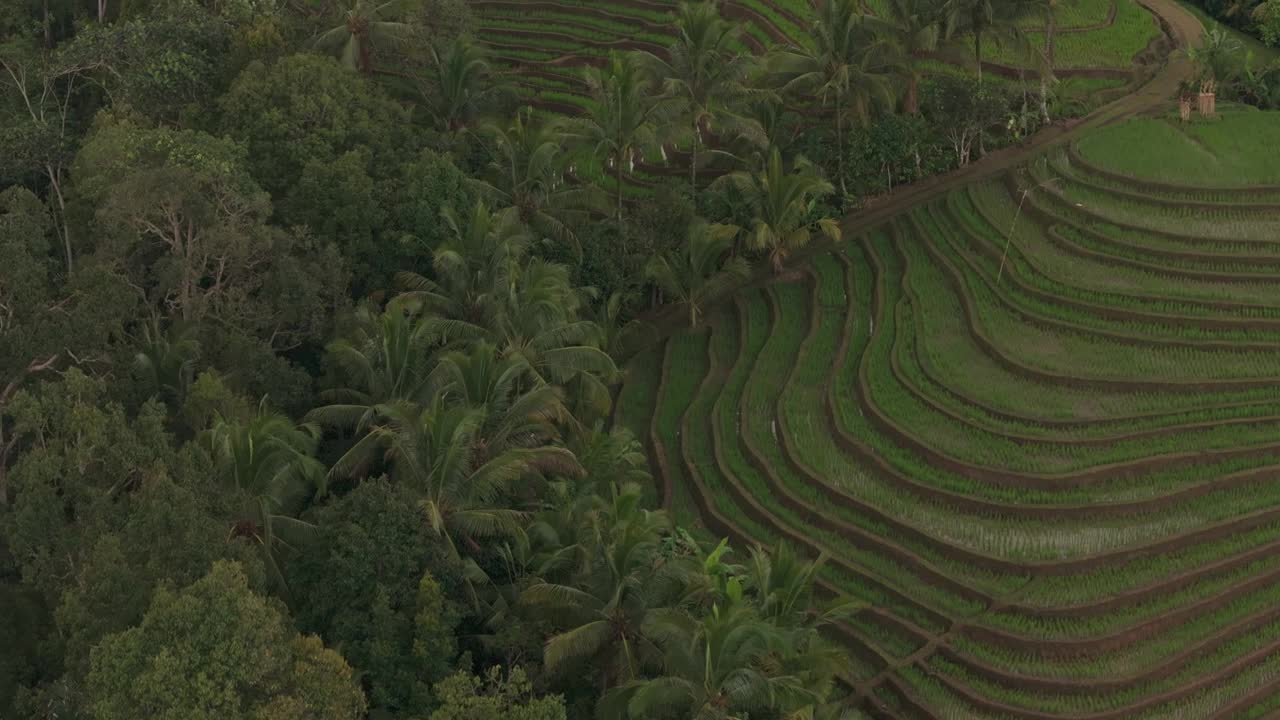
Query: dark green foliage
x: 335, y: 152
x: 26, y: 656
x: 170, y: 535
x: 603, y: 265
x: 180, y: 215
x: 306, y: 108
x: 252, y: 664
x: 223, y: 494
x: 376, y: 585
x: 892, y: 150
x: 964, y: 111
x: 338, y: 204
x: 183, y: 202
x: 414, y: 197
x: 164, y: 63
x: 106, y: 511
x: 468, y: 697
x: 88, y: 449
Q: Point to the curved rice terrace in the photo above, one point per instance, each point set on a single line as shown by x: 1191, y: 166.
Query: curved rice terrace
x: 1033, y: 423
x: 545, y: 43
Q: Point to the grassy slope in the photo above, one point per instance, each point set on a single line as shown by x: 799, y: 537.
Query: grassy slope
x: 1221, y: 152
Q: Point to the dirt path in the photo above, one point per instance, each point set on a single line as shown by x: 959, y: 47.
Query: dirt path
x: 1182, y: 26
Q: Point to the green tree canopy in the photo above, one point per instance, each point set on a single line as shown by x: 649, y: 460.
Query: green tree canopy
x: 467, y: 697
x: 376, y: 583
x: 250, y: 662
x: 306, y: 108
x: 184, y: 218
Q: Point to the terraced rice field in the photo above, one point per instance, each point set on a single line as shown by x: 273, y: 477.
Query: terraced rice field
x: 545, y: 43
x: 1034, y: 423
x: 1110, y: 42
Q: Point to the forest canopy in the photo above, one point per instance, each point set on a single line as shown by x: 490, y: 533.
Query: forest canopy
x: 310, y: 333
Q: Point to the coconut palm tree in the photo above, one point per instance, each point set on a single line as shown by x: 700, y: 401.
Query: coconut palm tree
x: 628, y: 120
x: 607, y: 613
x: 384, y: 357
x: 717, y: 667
x: 780, y: 585
x: 365, y: 27
x: 781, y: 125
x: 271, y: 463
x: 541, y: 322
x: 845, y: 66
x: 783, y: 204
x: 610, y: 459
x: 465, y: 487
x: 913, y: 28
x: 473, y: 269
x: 699, y: 270
x: 992, y: 19
x: 487, y: 287
x: 527, y: 171
x: 166, y: 360
x: 705, y: 74
x: 1215, y: 58
x: 619, y: 337
x: 511, y: 415
x: 460, y: 84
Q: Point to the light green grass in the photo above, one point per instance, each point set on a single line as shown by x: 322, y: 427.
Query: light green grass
x: 1232, y: 151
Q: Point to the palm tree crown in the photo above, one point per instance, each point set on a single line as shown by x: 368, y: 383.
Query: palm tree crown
x: 627, y: 120
x: 846, y: 66
x: 363, y: 29
x: 609, y: 615
x: 383, y: 358
x: 783, y: 204
x: 706, y: 76
x: 913, y: 27
x: 699, y: 271
x: 997, y: 19
x: 460, y: 84
x: 465, y: 485
x: 528, y: 172
x: 271, y: 463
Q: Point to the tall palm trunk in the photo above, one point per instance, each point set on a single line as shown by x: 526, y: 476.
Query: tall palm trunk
x: 366, y: 59
x: 617, y: 176
x: 977, y: 52
x: 1049, y: 27
x: 844, y: 193
x: 1022, y: 112
x: 693, y: 161
x: 4, y: 462
x: 617, y: 172
x: 911, y: 102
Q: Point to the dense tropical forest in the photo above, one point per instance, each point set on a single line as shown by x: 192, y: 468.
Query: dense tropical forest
x: 373, y: 360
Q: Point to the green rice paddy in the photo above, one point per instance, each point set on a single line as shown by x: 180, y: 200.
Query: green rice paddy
x: 1034, y: 423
